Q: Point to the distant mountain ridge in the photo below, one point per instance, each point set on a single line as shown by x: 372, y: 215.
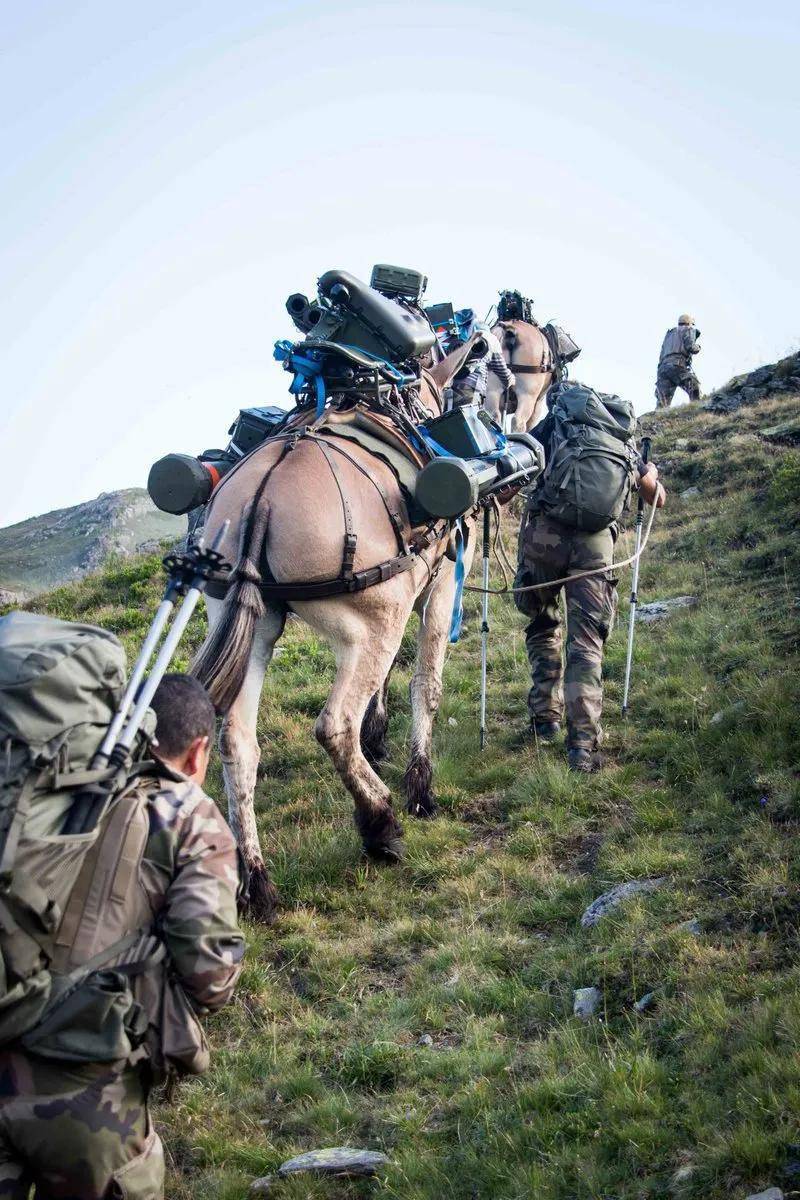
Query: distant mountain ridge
x: 63, y: 545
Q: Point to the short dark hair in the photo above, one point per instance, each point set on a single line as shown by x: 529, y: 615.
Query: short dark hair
x: 183, y: 713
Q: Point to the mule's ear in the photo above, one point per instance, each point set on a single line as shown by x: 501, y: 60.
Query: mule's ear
x: 474, y: 347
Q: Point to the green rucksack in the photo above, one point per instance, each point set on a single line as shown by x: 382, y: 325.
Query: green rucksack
x: 60, y: 684
x: 591, y: 461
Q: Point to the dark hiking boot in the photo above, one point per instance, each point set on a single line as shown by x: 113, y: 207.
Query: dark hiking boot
x: 584, y: 761
x: 545, y: 731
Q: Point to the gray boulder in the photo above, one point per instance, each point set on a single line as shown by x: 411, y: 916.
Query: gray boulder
x: 341, y: 1161
x: 659, y: 610
x: 772, y: 1193
x: 738, y: 706
x: 789, y: 431
x: 585, y: 1002
x: 623, y: 891
x: 690, y: 493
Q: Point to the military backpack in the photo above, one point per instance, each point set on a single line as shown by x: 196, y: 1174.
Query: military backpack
x: 65, y: 896
x: 591, y: 460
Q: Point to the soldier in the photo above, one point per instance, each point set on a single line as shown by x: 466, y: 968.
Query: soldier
x: 552, y: 547
x: 469, y: 385
x: 675, y: 362
x: 81, y: 1130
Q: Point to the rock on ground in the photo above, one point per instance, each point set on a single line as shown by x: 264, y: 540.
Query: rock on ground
x: 783, y: 376
x: 731, y: 711
x: 645, y: 1002
x: 772, y: 1193
x: 623, y: 891
x: 9, y: 597
x: 342, y: 1161
x: 586, y: 1001
x: 659, y: 610
x: 788, y: 432
x: 690, y: 493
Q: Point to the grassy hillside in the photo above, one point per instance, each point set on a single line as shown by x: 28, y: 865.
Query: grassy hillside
x: 67, y: 543
x: 426, y: 1010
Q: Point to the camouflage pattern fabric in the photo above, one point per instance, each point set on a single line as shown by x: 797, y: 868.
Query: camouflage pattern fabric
x: 190, y: 875
x: 76, y: 1132
x: 69, y: 1127
x: 549, y: 550
x: 672, y: 375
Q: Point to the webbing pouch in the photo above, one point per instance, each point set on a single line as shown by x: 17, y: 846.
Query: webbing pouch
x: 99, y: 1021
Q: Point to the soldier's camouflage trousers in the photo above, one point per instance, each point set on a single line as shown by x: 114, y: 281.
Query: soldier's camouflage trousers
x: 76, y: 1131
x: 672, y: 375
x: 549, y: 550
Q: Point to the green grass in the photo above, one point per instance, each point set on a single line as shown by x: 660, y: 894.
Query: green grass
x: 476, y: 939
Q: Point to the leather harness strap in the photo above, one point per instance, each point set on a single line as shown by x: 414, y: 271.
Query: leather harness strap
x: 359, y: 580
x: 395, y: 518
x: 350, y: 537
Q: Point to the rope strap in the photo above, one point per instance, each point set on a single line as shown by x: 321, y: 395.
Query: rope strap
x: 551, y: 583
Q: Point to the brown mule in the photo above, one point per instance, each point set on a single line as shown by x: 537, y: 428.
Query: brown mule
x: 528, y: 353
x: 295, y: 529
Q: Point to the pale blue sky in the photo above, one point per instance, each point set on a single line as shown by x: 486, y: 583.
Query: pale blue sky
x: 171, y: 171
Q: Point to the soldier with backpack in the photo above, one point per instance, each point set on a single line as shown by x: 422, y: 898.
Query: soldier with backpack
x: 570, y: 526
x: 675, y: 370
x: 113, y: 941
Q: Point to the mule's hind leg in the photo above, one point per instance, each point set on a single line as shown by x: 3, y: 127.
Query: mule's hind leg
x: 240, y: 754
x: 363, y: 663
x: 375, y: 725
x: 435, y: 616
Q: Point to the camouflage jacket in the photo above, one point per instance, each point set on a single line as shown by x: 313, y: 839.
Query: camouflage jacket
x: 190, y: 875
x: 679, y: 344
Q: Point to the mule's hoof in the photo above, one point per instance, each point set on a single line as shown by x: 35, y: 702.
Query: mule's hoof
x: 422, y: 808
x: 393, y: 850
x: 261, y: 900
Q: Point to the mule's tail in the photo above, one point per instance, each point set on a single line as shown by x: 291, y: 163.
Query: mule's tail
x: 222, y: 661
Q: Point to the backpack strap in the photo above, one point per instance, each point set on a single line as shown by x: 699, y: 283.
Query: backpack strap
x: 13, y: 821
x: 149, y: 952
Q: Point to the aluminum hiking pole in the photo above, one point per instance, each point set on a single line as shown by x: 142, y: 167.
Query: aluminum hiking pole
x: 485, y: 621
x: 634, y: 585
x: 188, y: 576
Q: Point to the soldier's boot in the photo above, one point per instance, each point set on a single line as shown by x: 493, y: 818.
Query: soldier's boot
x: 545, y: 732
x: 584, y: 761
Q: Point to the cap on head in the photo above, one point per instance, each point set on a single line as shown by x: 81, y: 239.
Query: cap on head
x: 685, y: 319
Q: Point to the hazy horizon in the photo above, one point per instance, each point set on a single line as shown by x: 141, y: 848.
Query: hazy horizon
x: 171, y: 176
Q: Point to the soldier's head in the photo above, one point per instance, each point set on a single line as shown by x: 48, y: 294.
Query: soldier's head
x: 685, y: 319
x: 184, y: 725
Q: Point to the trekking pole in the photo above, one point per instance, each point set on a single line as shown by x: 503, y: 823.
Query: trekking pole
x: 188, y: 576
x: 635, y: 584
x: 485, y: 621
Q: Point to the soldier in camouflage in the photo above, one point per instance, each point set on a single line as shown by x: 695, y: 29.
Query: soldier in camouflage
x: 675, y: 362
x: 82, y: 1130
x: 550, y: 550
